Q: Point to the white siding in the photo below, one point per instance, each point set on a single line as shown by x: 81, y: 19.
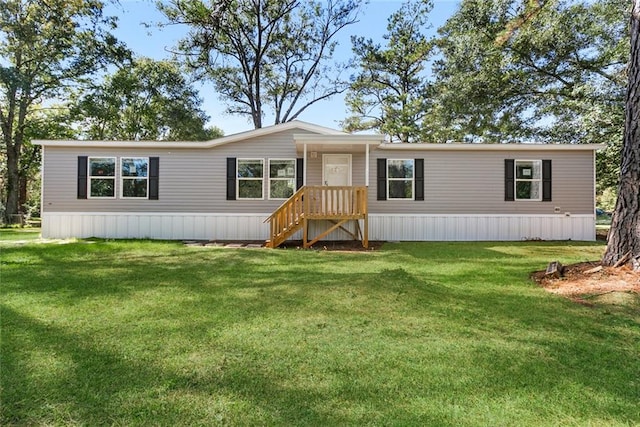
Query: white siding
x: 140, y: 225
x: 481, y: 227
x: 464, y: 196
x: 194, y: 180
x: 191, y: 180
x: 472, y: 182
x: 381, y: 227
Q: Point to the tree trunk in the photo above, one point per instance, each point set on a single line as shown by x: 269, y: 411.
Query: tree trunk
x: 12, y: 185
x: 22, y: 194
x: 624, y: 235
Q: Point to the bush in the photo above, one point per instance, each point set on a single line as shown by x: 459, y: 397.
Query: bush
x: 607, y: 200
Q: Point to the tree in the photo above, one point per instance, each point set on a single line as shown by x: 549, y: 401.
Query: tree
x: 46, y: 46
x: 624, y: 235
x: 52, y: 122
x: 549, y: 70
x: 144, y: 100
x: 390, y: 93
x: 261, y: 53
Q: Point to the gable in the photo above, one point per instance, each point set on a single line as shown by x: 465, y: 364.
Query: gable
x: 290, y: 128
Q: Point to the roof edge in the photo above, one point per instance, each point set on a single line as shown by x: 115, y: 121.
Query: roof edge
x: 345, y: 138
x: 493, y: 147
x: 267, y: 130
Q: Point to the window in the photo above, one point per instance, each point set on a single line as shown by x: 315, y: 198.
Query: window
x: 528, y: 179
x: 250, y: 176
x: 282, y: 178
x: 400, y: 179
x: 102, y: 177
x: 134, y: 173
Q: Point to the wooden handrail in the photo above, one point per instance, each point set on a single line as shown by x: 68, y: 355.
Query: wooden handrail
x: 316, y: 202
x: 297, y: 195
x: 325, y: 201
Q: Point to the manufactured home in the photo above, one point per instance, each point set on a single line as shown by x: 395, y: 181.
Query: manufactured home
x: 300, y: 181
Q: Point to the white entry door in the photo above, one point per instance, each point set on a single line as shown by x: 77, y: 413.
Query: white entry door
x: 336, y: 169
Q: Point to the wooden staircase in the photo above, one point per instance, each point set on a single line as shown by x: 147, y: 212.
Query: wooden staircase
x: 338, y: 205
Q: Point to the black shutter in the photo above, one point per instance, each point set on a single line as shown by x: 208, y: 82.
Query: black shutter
x: 154, y: 177
x: 509, y: 181
x: 419, y: 178
x: 231, y: 178
x: 546, y: 180
x: 382, y: 179
x: 299, y: 173
x: 82, y: 177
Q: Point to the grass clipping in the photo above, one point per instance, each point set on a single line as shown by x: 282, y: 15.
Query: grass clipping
x: 590, y: 283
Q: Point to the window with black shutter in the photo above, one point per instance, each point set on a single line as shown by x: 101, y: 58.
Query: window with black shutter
x: 154, y: 178
x: 231, y: 178
x: 419, y: 179
x: 546, y: 180
x: 82, y: 177
x: 382, y: 179
x: 527, y: 180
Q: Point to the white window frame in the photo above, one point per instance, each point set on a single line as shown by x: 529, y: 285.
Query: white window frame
x: 91, y: 177
x: 238, y: 179
x: 295, y: 166
x: 516, y: 180
x: 123, y: 178
x: 413, y: 180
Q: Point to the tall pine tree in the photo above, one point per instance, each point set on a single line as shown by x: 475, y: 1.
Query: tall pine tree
x: 624, y: 235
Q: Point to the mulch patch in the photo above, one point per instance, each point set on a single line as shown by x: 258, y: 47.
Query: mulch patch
x: 337, y: 245
x: 341, y: 245
x: 577, y: 284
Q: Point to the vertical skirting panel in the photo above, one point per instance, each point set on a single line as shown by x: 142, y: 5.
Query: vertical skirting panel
x: 480, y: 227
x: 155, y: 226
x: 381, y: 227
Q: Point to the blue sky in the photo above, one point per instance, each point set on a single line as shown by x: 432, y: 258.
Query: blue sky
x: 155, y: 42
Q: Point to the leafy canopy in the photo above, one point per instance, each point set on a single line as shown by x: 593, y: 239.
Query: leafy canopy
x: 263, y: 56
x: 550, y: 70
x: 145, y: 100
x: 390, y: 92
x: 46, y: 47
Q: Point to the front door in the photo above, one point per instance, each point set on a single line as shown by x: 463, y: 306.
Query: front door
x: 336, y: 170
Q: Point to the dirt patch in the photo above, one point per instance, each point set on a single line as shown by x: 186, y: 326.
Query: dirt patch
x: 609, y: 285
x: 339, y: 245
x: 342, y: 245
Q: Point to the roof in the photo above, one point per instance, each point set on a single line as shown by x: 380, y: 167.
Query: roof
x: 346, y: 143
x: 292, y: 125
x: 492, y: 147
x: 321, y: 137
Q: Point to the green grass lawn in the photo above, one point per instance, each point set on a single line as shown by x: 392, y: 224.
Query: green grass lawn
x: 444, y: 334
x: 18, y: 235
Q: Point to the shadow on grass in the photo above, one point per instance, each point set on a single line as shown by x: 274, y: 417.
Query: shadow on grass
x: 96, y: 386
x: 80, y: 382
x: 304, y: 338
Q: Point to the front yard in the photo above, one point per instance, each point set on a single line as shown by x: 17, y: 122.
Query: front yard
x: 138, y: 333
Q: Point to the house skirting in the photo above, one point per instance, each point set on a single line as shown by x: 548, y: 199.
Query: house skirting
x: 386, y: 227
x: 481, y: 227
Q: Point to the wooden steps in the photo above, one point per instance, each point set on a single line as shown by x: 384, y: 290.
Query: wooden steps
x: 315, y: 203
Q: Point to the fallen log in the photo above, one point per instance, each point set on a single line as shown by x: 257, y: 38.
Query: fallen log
x: 593, y: 270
